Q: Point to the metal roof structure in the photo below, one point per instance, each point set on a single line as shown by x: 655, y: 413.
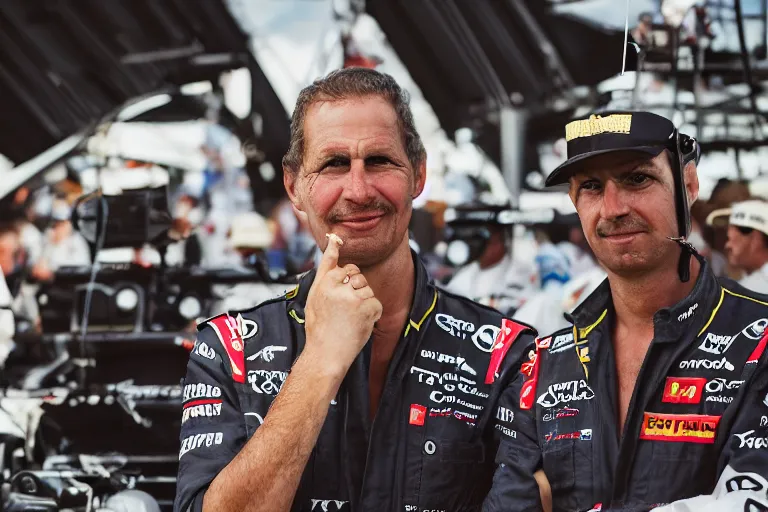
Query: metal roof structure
x: 67, y: 66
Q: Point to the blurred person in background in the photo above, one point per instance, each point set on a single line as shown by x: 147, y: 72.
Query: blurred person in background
x: 480, y: 244
x: 9, y: 247
x: 747, y: 245
x: 558, y: 261
x: 62, y: 245
x: 293, y: 240
x: 251, y: 236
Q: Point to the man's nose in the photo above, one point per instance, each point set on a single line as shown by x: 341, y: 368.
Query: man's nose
x: 357, y: 188
x: 614, y: 201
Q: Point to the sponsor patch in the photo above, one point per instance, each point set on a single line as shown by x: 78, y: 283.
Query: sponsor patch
x: 454, y: 326
x: 226, y: 329
x: 417, y: 415
x: 504, y: 340
x: 565, y: 392
x: 248, y: 328
x: 328, y: 505
x: 687, y: 428
x: 506, y: 431
x: 544, y: 344
x: 562, y: 343
x: 565, y: 412
x: 203, y: 350
x: 683, y: 390
x: 749, y: 440
x: 581, y: 435
x: 696, y: 364
x: 267, y: 353
x: 759, y: 349
x: 201, y: 408
x: 505, y: 415
x: 716, y: 344
x: 198, y: 391
x: 485, y: 337
x: 686, y: 315
x: 199, y: 440
x: 267, y: 382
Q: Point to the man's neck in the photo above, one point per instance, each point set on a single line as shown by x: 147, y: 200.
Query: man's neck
x: 637, y: 299
x: 392, y: 282
x: 758, y: 262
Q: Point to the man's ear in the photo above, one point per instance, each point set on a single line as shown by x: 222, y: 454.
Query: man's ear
x: 291, y: 184
x: 691, y: 178
x: 421, y: 178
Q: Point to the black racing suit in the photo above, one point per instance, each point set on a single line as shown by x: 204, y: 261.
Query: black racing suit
x: 696, y: 423
x: 432, y: 443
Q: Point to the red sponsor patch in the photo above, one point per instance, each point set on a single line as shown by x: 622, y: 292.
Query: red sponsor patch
x: 507, y: 335
x: 230, y: 338
x: 201, y: 402
x: 543, y: 344
x: 417, y: 415
x: 683, y: 390
x: 685, y: 428
x: 528, y: 391
x: 759, y: 349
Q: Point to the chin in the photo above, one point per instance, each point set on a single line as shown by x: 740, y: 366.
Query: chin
x: 366, y: 252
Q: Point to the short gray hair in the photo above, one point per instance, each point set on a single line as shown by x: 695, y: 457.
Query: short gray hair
x: 354, y: 83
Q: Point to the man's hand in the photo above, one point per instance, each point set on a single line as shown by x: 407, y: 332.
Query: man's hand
x: 340, y: 312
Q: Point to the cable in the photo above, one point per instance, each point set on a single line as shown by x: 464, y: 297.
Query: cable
x: 94, y: 270
x: 626, y: 41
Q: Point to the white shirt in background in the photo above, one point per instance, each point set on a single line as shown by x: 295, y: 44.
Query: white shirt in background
x: 756, y: 281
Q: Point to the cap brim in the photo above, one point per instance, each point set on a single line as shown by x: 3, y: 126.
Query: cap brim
x: 565, y: 170
x: 719, y: 217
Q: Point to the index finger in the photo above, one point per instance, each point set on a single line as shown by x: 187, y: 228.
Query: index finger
x: 330, y: 258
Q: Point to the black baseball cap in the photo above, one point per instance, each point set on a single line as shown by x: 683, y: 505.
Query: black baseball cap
x: 611, y: 132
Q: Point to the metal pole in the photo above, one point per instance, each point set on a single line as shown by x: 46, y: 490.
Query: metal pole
x: 512, y: 127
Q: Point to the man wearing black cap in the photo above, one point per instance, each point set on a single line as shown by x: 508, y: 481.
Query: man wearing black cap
x: 657, y: 392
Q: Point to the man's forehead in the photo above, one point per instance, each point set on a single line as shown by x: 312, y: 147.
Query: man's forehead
x: 619, y: 164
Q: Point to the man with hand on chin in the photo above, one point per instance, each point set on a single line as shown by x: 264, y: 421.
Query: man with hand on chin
x: 366, y: 387
x: 657, y: 392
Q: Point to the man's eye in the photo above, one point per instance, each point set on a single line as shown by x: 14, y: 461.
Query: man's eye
x: 637, y: 179
x: 335, y: 162
x: 589, y: 186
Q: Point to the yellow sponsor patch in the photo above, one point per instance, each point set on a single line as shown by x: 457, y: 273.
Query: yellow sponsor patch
x: 689, y: 428
x: 595, y: 125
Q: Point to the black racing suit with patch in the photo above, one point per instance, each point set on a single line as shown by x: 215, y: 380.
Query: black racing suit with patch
x: 432, y: 443
x: 696, y: 423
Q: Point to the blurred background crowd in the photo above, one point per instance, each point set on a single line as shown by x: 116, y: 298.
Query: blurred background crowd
x: 183, y: 107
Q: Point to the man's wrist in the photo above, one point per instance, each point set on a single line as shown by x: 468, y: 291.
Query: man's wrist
x: 326, y: 370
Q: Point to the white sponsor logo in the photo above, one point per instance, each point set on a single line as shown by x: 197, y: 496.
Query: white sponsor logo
x: 267, y: 353
x: 414, y: 508
x: 562, y: 343
x: 204, y: 410
x: 438, y: 397
x: 566, y: 392
x: 203, y: 350
x: 454, y: 326
x: 716, y: 344
x: 506, y: 431
x: 465, y: 416
x: 194, y: 391
x: 325, y: 505
x: 719, y: 384
x: 248, y: 328
x: 471, y: 390
x: 688, y: 313
x: 764, y: 421
x: 461, y: 363
x: 754, y: 331
x: 505, y: 415
x: 469, y: 404
x: 719, y: 398
x: 746, y: 439
x: 267, y: 381
x: 198, y: 440
x: 485, y: 337
x: 695, y: 364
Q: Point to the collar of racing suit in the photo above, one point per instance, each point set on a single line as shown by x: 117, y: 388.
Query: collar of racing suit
x: 424, y: 298
x: 669, y: 323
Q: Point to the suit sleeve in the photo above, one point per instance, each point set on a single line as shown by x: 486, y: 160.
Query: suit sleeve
x: 213, y: 426
x: 518, y: 457
x: 743, y: 480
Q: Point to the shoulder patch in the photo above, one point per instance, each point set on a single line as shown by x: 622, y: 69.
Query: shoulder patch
x: 226, y: 329
x: 507, y: 335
